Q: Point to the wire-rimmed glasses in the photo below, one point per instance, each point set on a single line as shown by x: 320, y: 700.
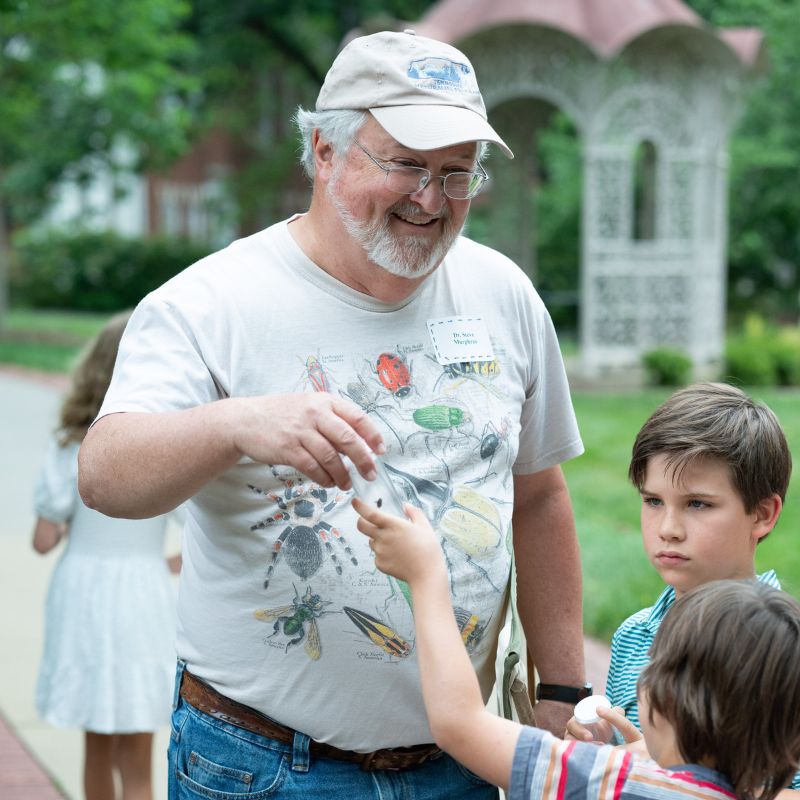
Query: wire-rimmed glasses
x: 408, y: 180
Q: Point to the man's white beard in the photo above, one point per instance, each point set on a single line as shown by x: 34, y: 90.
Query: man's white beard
x: 406, y: 256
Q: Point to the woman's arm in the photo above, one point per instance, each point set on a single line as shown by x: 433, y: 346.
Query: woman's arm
x: 47, y: 534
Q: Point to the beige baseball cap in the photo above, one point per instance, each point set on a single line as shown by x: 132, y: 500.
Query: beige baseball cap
x: 422, y: 92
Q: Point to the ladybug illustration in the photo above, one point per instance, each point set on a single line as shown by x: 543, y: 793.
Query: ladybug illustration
x: 393, y: 374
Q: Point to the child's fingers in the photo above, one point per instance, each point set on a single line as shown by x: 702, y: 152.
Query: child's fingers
x: 368, y: 512
x: 576, y: 731
x: 616, y: 716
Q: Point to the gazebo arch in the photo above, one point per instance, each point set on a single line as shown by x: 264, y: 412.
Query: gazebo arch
x: 628, y: 73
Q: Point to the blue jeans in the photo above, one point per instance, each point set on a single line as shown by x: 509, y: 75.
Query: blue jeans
x: 213, y: 759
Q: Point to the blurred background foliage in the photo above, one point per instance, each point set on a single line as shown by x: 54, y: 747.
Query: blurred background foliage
x: 172, y: 70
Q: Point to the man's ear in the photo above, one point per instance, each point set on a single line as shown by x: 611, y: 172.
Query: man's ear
x: 766, y: 514
x: 323, y: 156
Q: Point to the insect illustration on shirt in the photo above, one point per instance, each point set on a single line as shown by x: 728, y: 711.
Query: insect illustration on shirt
x: 480, y: 372
x: 493, y: 439
x: 394, y: 374
x: 297, y: 621
x: 465, y: 518
x: 315, y: 374
x: 306, y: 537
x: 379, y: 633
x: 363, y: 397
x: 471, y: 628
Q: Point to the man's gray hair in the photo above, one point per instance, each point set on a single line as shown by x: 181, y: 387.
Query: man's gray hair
x: 339, y: 128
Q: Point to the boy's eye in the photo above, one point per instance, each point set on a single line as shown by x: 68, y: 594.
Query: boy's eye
x: 697, y: 504
x: 651, y: 501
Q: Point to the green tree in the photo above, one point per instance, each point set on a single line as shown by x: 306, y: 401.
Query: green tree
x: 77, y: 78
x: 764, y: 252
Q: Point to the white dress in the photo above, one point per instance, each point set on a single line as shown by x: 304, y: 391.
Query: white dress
x: 108, y: 664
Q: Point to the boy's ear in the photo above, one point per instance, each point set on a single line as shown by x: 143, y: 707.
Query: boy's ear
x: 766, y: 514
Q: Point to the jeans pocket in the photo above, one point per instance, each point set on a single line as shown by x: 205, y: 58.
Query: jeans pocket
x: 218, y: 761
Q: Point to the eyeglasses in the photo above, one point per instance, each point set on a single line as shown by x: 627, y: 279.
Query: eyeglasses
x: 408, y: 179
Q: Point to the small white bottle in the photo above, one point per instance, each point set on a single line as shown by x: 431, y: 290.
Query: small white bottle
x: 586, y: 714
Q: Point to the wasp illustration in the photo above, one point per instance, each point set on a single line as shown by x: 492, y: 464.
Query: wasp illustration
x: 362, y: 396
x: 298, y: 621
x: 471, y: 629
x: 394, y: 374
x: 379, y: 633
x: 481, y: 372
x: 465, y: 518
x: 301, y: 506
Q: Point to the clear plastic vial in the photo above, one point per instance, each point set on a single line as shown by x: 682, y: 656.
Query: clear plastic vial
x: 586, y: 714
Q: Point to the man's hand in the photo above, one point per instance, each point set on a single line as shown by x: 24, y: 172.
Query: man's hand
x: 309, y: 432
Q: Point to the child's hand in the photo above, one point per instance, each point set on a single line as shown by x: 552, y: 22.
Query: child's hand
x: 616, y: 717
x: 405, y: 548
x: 601, y: 732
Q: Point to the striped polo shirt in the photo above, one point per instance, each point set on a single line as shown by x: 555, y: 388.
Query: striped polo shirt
x: 630, y: 646
x: 546, y: 768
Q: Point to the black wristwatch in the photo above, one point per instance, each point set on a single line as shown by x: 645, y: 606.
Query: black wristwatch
x: 563, y: 694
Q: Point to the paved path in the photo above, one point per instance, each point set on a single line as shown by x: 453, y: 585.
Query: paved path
x: 38, y: 762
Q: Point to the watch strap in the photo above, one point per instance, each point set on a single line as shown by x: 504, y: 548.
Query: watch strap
x: 563, y: 694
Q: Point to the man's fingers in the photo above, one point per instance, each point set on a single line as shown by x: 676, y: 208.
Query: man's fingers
x: 360, y: 422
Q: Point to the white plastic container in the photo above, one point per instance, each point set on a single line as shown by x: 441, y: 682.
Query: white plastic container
x: 586, y: 714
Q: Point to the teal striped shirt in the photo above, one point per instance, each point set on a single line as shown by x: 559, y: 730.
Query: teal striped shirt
x: 630, y: 646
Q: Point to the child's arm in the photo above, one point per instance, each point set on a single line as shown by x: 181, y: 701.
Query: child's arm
x: 47, y: 534
x: 459, y: 720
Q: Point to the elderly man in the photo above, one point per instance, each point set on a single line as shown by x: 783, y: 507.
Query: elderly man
x: 251, y: 382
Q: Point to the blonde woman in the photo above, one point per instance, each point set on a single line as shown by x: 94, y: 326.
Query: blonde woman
x: 109, y: 660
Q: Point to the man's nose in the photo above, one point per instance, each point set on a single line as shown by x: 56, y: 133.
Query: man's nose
x: 431, y: 197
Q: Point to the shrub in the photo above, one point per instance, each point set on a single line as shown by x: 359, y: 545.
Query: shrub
x: 666, y: 366
x: 94, y: 271
x: 785, y: 351
x: 749, y: 362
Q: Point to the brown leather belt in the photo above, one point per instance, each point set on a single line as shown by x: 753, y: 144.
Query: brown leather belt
x: 199, y: 694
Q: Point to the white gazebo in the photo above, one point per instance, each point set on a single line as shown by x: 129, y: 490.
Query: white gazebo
x: 653, y: 92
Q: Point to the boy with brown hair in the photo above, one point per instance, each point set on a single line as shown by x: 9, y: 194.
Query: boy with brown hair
x: 712, y: 467
x: 720, y: 699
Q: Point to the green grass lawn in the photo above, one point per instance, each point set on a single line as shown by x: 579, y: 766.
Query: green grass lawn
x: 46, y: 340
x: 618, y: 579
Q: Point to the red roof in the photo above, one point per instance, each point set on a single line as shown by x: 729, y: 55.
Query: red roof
x: 606, y: 26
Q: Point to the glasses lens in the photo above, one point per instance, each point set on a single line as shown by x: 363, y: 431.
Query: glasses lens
x: 463, y: 185
x: 406, y: 180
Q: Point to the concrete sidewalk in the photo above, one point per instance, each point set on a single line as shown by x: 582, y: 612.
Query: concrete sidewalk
x: 47, y: 759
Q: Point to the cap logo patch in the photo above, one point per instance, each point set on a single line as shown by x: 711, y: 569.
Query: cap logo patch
x: 442, y: 74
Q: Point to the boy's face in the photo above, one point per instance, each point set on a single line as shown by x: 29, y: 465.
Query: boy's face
x: 659, y: 735
x: 697, y: 530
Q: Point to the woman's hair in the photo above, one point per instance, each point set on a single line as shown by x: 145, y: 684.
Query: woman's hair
x: 90, y: 379
x: 724, y: 673
x: 718, y: 421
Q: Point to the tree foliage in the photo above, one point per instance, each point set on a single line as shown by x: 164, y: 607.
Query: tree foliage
x: 77, y: 77
x: 764, y: 249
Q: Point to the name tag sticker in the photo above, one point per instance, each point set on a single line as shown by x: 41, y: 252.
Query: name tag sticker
x: 457, y: 339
